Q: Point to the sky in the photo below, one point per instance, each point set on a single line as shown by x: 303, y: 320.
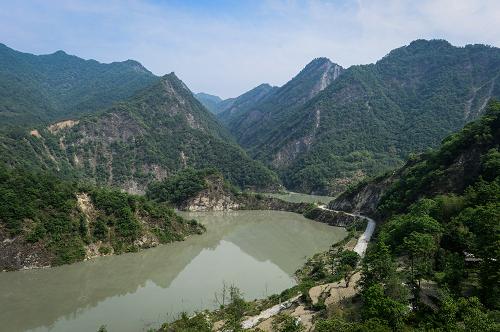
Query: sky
x: 227, y: 47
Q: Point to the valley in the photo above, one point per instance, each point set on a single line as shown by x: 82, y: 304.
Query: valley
x: 363, y: 198
x: 254, y: 250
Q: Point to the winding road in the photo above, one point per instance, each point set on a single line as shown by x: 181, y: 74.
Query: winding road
x: 363, y: 240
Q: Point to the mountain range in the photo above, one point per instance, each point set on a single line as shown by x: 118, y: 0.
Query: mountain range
x: 323, y: 131
x: 148, y: 137
x: 44, y: 88
x: 330, y: 127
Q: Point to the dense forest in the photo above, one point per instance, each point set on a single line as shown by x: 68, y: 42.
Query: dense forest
x: 371, y: 117
x: 42, y: 88
x: 150, y: 136
x: 434, y: 262
x: 46, y: 221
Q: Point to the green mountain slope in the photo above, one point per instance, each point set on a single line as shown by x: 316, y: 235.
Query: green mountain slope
x: 43, y: 88
x: 439, y: 234
x: 45, y: 221
x: 373, y: 116
x: 259, y: 109
x: 149, y: 137
x: 209, y: 101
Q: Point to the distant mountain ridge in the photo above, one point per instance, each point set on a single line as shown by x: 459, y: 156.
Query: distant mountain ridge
x: 209, y: 101
x: 370, y: 117
x: 257, y: 109
x: 44, y: 88
x: 148, y: 137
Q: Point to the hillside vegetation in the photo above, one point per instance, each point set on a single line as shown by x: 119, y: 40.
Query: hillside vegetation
x: 371, y: 117
x: 41, y: 88
x: 45, y: 221
x: 434, y: 262
x: 150, y: 136
x: 437, y: 248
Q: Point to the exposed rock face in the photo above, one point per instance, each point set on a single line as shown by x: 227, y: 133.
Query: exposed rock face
x: 364, y: 199
x: 372, y: 116
x: 333, y: 218
x: 213, y: 198
x: 457, y: 175
x: 54, y: 128
x: 18, y: 254
x: 160, y: 131
x: 260, y: 108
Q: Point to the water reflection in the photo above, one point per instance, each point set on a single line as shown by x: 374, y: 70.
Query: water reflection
x: 256, y: 250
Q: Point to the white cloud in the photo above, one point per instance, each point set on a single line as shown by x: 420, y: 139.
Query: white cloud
x: 229, y: 52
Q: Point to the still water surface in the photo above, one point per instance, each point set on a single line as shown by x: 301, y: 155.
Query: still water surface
x: 298, y: 197
x: 258, y: 251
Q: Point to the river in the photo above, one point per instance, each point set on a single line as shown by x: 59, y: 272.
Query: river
x: 299, y: 198
x: 257, y: 251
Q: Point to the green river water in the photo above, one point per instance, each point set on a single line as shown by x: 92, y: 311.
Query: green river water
x: 257, y: 251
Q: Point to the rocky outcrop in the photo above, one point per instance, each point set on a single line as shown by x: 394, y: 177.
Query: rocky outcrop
x: 18, y: 254
x: 215, y: 197
x: 364, y: 199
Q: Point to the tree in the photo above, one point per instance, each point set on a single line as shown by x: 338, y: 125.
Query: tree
x: 377, y: 305
x: 348, y: 261
x: 420, y: 249
x: 378, y: 266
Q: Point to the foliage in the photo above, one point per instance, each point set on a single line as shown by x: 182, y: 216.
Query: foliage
x: 197, y: 323
x: 234, y: 310
x: 178, y: 188
x: 152, y: 135
x: 444, y: 229
x: 286, y: 323
x: 44, y: 211
x: 36, y: 89
x: 338, y: 325
x: 372, y: 117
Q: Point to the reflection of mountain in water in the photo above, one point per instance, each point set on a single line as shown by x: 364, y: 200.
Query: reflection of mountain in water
x: 30, y: 299
x: 40, y: 297
x: 284, y: 240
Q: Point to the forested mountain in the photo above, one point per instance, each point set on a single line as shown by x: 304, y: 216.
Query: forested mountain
x: 259, y: 109
x: 373, y: 116
x: 209, y: 101
x: 150, y: 136
x: 45, y: 221
x: 233, y: 108
x: 439, y: 235
x: 42, y: 88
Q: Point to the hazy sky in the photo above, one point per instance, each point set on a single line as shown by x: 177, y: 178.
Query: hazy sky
x: 227, y: 47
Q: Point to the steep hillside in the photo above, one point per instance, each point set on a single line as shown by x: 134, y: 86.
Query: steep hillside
x: 45, y: 221
x: 261, y: 112
x: 464, y: 159
x: 149, y: 137
x: 209, y: 101
x: 373, y: 116
x: 41, y: 88
x: 439, y: 236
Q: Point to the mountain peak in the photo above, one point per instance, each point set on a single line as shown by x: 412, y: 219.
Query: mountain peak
x: 429, y: 43
x: 60, y: 53
x: 320, y: 61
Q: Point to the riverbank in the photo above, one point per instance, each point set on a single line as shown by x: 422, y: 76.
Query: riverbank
x: 320, y: 283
